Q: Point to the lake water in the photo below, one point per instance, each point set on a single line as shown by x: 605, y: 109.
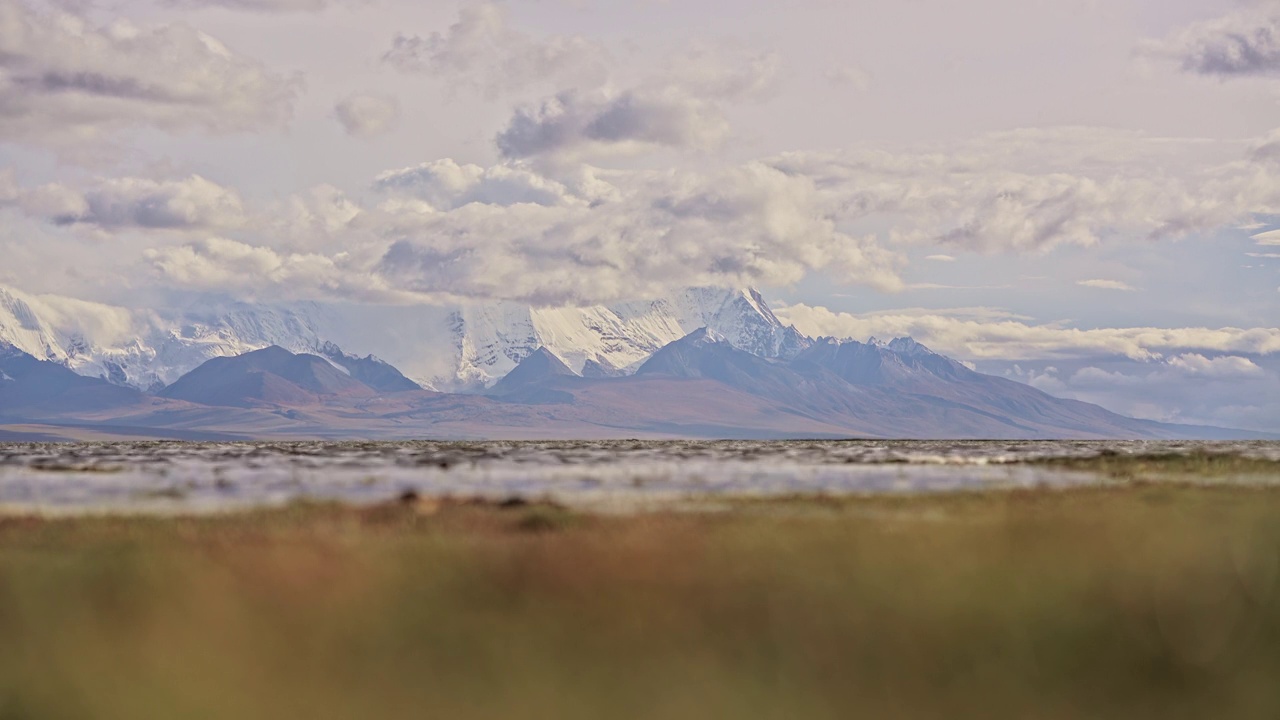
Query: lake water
x: 165, y: 477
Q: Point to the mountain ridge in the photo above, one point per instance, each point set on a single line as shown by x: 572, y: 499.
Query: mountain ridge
x: 698, y: 386
x: 460, y: 349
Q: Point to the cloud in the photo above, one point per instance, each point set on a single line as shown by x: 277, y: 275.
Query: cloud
x: 1227, y: 366
x: 447, y: 185
x: 367, y: 115
x: 940, y: 258
x: 1031, y: 192
x: 997, y: 339
x: 260, y: 273
x: 1196, y: 388
x: 1271, y: 237
x: 261, y: 5
x: 848, y: 76
x: 1266, y: 149
x: 444, y: 232
x: 65, y: 81
x: 1241, y: 44
x: 684, y: 108
x: 1107, y: 285
x: 483, y: 52
x: 661, y: 231
x: 123, y: 203
x: 256, y: 5
x: 571, y: 123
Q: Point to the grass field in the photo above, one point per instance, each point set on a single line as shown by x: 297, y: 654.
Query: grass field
x: 1137, y: 601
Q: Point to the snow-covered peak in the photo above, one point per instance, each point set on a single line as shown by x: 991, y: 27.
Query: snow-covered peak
x: 908, y: 346
x: 703, y: 337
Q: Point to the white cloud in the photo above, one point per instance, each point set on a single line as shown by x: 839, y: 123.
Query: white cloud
x: 573, y: 123
x: 1245, y: 43
x: 122, y: 203
x: 1222, y: 367
x: 446, y: 232
x: 1030, y: 192
x: 682, y: 108
x: 367, y: 115
x: 940, y: 258
x: 743, y: 226
x: 65, y: 81
x: 447, y: 185
x: 982, y: 338
x: 1106, y: 285
x: 482, y: 51
x: 1271, y: 237
x: 260, y: 273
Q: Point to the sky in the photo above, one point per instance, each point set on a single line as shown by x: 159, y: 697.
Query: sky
x: 1079, y: 194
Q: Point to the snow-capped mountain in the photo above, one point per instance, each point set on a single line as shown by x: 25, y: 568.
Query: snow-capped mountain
x: 448, y: 349
x: 146, y: 349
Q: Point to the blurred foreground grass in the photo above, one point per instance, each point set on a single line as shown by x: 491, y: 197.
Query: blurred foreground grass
x: 1141, y: 601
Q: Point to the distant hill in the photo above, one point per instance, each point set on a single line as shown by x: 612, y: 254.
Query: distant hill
x: 374, y: 372
x: 272, y: 376
x: 36, y: 388
x: 527, y: 382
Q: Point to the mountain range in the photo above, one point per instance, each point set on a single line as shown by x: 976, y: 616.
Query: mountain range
x: 448, y: 349
x: 766, y: 381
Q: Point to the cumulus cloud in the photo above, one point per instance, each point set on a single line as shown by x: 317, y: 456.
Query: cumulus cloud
x: 1010, y: 339
x: 367, y: 115
x: 1226, y: 366
x: 1241, y: 44
x: 443, y: 232
x: 448, y: 185
x: 122, y: 203
x: 64, y: 80
x: 572, y: 122
x: 1032, y: 192
x: 482, y: 51
x: 743, y: 226
x: 1106, y: 285
x: 255, y: 272
x: 683, y: 108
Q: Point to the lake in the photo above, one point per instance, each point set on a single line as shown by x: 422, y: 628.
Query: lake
x: 612, y: 476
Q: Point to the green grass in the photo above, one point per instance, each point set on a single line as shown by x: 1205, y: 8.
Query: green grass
x: 1143, y: 601
x: 1193, y: 466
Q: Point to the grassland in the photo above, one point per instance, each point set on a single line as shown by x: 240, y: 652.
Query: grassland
x: 1143, y: 600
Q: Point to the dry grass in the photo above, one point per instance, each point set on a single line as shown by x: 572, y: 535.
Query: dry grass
x: 1149, y: 601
